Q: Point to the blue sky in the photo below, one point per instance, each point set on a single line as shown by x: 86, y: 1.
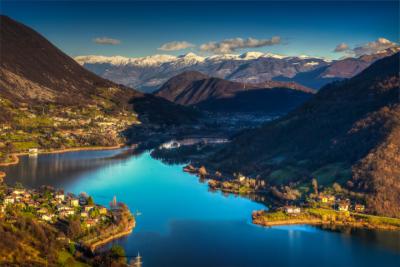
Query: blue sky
x: 312, y: 28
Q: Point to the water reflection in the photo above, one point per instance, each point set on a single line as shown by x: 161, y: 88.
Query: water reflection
x: 387, y: 239
x: 61, y: 169
x: 183, y: 224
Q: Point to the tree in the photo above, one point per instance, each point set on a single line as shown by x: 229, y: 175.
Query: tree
x: 202, y: 171
x: 18, y: 185
x: 74, y: 228
x: 117, y: 253
x: 72, y: 248
x: 90, y: 200
x: 337, y: 187
x: 314, y: 183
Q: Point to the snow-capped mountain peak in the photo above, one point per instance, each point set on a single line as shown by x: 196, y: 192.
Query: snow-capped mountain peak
x: 153, y: 60
x: 94, y: 59
x: 251, y: 55
x: 271, y: 55
x: 148, y: 73
x: 192, y: 57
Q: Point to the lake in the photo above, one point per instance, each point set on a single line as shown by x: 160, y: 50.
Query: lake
x: 182, y: 223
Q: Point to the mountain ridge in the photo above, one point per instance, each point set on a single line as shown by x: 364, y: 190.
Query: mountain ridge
x: 348, y: 133
x: 192, y: 88
x: 149, y: 73
x: 48, y: 101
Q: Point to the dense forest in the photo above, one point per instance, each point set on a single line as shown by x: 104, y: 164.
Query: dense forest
x: 347, y: 134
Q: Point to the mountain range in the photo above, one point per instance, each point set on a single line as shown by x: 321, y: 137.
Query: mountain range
x: 47, y: 100
x: 149, y: 73
x: 348, y: 133
x: 192, y: 88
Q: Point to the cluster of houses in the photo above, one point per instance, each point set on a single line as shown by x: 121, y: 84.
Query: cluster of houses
x: 77, y: 124
x: 327, y: 200
x: 192, y: 141
x: 250, y: 182
x: 51, y: 205
x: 340, y: 204
x: 241, y: 181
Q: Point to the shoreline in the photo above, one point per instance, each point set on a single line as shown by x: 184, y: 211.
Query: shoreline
x: 317, y: 222
x: 15, y: 156
x: 107, y: 240
x: 259, y: 219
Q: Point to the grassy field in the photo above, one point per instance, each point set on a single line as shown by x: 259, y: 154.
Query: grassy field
x: 66, y: 259
x: 327, y: 216
x: 331, y: 173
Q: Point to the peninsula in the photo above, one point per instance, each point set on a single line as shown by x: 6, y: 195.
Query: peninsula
x: 77, y: 223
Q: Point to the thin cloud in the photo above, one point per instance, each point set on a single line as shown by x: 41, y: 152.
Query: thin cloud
x: 374, y: 47
x: 175, y: 46
x: 106, y: 41
x: 369, y: 48
x: 231, y: 45
x: 341, y: 48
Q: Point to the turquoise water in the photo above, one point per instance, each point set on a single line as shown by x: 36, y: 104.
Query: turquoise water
x: 182, y: 223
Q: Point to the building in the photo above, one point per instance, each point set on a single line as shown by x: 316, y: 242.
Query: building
x: 292, y: 210
x: 359, y: 208
x: 88, y: 208
x: 343, y: 206
x: 60, y: 196
x: 42, y: 211
x: 67, y: 212
x: 9, y: 200
x: 47, y: 217
x: 33, y: 150
x: 102, y: 210
x: 170, y: 145
x: 326, y: 198
x: 62, y: 208
x: 241, y: 178
x: 90, y: 223
x: 18, y: 192
x: 74, y: 202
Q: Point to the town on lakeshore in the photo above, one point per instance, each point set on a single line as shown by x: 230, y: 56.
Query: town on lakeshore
x: 80, y: 224
x: 330, y: 207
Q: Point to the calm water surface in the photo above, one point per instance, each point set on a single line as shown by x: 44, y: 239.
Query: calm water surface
x: 183, y: 224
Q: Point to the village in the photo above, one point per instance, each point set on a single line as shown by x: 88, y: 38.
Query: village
x: 46, y: 127
x: 50, y: 205
x: 312, y: 208
x: 98, y: 225
x: 245, y: 185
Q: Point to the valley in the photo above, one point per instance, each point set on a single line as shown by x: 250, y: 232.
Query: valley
x: 243, y: 149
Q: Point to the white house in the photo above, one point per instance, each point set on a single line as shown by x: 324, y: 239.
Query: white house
x: 292, y: 210
x: 9, y: 200
x: 33, y: 151
x: 60, y: 197
x: 88, y: 208
x: 47, y: 217
x: 74, y: 202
